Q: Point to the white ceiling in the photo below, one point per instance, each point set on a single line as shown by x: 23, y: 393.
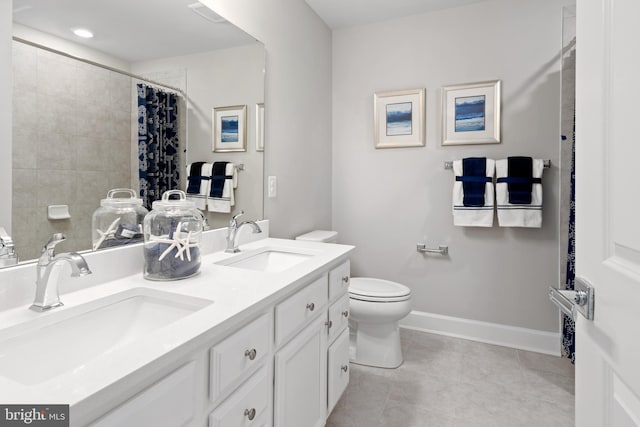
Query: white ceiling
x: 133, y: 30
x: 346, y: 13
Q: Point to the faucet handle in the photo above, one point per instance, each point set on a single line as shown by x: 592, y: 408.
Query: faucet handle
x: 49, y: 247
x: 238, y: 215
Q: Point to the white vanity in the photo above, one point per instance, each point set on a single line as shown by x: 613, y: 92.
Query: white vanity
x: 258, y: 338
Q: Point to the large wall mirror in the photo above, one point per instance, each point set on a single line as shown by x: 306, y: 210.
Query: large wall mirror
x: 76, y: 108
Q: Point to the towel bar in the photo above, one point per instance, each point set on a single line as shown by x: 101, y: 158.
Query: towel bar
x: 442, y: 250
x: 449, y: 165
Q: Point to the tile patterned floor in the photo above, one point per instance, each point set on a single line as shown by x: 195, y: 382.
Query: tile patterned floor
x: 451, y: 382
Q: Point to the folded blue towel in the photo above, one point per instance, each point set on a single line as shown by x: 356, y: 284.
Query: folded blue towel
x: 195, y: 178
x: 520, y: 179
x: 474, y: 177
x: 217, y: 179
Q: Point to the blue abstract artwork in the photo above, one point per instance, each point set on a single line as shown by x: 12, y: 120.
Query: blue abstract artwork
x: 399, y: 119
x: 229, y: 129
x: 470, y: 113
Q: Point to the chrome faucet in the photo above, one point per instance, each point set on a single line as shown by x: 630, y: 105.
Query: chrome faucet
x: 8, y: 254
x: 47, y: 296
x: 232, y: 233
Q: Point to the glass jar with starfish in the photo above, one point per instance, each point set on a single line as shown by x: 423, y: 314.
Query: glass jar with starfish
x: 118, y: 221
x: 172, y: 233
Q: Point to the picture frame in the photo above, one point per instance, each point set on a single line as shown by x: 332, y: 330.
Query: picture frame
x: 471, y: 113
x: 399, y: 118
x: 260, y: 127
x: 229, y: 128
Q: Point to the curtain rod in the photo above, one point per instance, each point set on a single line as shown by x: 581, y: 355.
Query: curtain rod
x: 97, y: 64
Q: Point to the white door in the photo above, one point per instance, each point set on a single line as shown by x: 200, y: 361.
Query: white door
x: 608, y: 211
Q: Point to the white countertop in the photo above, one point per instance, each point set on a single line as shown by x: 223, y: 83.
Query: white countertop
x: 237, y: 295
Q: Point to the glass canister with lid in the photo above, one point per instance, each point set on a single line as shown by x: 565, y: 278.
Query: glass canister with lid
x: 118, y: 221
x: 172, y: 233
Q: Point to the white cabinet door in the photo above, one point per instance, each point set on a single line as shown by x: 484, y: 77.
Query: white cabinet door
x: 607, y: 206
x: 301, y: 379
x: 338, y: 369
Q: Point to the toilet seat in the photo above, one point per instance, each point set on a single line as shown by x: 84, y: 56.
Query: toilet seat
x: 377, y: 290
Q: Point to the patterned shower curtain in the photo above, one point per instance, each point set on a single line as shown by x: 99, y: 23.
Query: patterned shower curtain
x: 568, y: 325
x: 158, y: 153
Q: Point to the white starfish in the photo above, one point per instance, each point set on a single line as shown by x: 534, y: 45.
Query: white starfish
x: 104, y: 235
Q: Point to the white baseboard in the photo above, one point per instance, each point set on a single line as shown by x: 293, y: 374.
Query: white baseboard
x: 490, y: 333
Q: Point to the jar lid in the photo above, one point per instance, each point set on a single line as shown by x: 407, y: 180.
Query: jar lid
x: 167, y: 203
x: 121, y: 201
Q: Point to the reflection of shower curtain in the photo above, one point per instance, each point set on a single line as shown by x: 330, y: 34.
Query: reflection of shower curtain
x: 568, y: 325
x: 158, y: 143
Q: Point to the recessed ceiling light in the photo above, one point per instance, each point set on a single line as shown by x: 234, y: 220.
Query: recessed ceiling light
x: 82, y: 32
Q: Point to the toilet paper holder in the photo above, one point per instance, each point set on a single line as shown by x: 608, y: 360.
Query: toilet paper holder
x: 441, y: 250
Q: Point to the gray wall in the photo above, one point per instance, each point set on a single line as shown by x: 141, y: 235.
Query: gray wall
x: 6, y: 15
x: 71, y: 144
x: 386, y: 201
x: 297, y: 108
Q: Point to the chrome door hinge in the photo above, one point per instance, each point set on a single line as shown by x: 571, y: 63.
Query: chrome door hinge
x: 581, y: 299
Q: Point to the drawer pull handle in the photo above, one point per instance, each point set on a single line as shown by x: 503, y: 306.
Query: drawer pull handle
x: 345, y: 279
x: 345, y: 368
x: 250, y: 413
x: 251, y: 354
x: 328, y: 324
x: 345, y: 313
x: 311, y: 306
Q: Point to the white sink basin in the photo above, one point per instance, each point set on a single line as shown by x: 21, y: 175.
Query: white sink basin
x: 65, y: 341
x: 267, y: 259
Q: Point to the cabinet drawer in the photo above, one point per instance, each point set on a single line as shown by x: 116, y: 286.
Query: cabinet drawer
x: 338, y: 369
x: 238, y: 354
x: 339, y: 280
x: 294, y: 312
x: 338, y: 317
x: 169, y: 402
x: 248, y: 406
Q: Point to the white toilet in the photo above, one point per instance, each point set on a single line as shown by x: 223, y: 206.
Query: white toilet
x: 376, y: 307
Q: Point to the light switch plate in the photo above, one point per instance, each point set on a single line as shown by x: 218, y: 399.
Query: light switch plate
x: 272, y: 186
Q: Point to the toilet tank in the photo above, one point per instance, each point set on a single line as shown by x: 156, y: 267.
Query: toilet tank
x: 323, y: 236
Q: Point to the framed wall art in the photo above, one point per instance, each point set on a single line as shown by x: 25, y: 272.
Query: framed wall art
x: 471, y: 113
x: 230, y: 128
x: 399, y: 118
x: 260, y: 127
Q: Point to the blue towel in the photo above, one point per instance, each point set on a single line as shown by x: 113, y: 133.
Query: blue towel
x: 217, y: 179
x: 195, y: 178
x: 474, y: 171
x: 520, y: 180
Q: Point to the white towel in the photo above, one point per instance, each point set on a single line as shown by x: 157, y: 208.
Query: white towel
x: 200, y: 199
x: 473, y: 216
x: 224, y: 203
x: 510, y: 215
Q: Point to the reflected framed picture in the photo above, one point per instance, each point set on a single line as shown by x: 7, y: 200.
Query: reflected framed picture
x: 230, y: 128
x: 399, y: 118
x: 260, y: 127
x: 471, y: 113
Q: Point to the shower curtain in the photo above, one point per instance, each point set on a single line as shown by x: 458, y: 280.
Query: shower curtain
x: 158, y: 153
x: 568, y: 325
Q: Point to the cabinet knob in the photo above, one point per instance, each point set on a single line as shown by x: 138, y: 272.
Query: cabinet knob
x: 311, y: 306
x: 328, y: 324
x: 250, y: 413
x: 345, y: 368
x: 345, y: 279
x: 251, y: 354
x: 345, y: 313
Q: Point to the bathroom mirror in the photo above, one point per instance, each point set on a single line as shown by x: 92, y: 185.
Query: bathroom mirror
x: 75, y: 121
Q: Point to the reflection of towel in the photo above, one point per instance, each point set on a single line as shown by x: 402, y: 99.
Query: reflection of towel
x: 198, y: 183
x: 223, y: 180
x: 474, y: 209
x: 523, y: 208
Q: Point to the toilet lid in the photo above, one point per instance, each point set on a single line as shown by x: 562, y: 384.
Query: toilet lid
x: 377, y: 289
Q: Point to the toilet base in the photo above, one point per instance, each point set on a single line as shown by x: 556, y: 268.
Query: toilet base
x: 375, y: 344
